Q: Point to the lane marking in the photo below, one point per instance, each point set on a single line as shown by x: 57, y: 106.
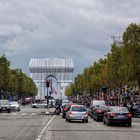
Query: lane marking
x: 13, y: 114
x: 44, y: 129
x: 22, y: 114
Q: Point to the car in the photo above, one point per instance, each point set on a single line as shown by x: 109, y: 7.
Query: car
x: 14, y: 106
x: 64, y: 102
x: 65, y: 108
x: 99, y: 113
x: 40, y: 105
x: 117, y: 115
x: 135, y: 110
x: 95, y: 104
x: 77, y: 112
x: 5, y: 106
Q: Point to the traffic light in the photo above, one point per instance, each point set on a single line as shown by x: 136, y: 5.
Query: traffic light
x: 48, y: 83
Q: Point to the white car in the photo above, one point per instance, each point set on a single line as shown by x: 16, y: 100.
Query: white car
x: 14, y: 106
x: 64, y: 102
x: 39, y: 105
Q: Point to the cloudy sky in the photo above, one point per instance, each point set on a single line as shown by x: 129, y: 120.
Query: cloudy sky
x: 77, y: 29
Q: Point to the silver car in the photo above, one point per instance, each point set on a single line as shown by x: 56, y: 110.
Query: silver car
x: 39, y: 105
x: 77, y: 112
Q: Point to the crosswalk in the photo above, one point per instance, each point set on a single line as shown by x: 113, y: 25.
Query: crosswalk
x: 19, y: 114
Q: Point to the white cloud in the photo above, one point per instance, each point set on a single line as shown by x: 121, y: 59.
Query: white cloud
x: 78, y: 29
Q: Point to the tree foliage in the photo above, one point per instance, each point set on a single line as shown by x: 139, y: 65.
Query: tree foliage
x: 122, y: 66
x: 14, y: 81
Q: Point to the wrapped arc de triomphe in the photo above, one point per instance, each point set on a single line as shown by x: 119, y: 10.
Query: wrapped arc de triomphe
x: 61, y: 69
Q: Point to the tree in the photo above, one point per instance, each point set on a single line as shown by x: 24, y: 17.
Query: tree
x: 131, y: 38
x: 5, y: 75
x: 14, y: 82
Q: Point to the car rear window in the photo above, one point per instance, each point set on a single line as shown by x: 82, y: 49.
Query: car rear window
x: 78, y: 108
x: 118, y: 109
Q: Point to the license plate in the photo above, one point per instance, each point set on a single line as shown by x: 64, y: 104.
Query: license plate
x: 79, y: 117
x: 121, y: 116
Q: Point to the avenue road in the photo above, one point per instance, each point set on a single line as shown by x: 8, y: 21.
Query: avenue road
x: 28, y: 124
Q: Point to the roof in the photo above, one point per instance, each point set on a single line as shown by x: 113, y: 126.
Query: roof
x: 51, y: 62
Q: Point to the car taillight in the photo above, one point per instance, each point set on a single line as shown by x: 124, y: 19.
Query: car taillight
x: 99, y: 111
x: 129, y: 115
x: 86, y: 114
x: 65, y: 109
x: 111, y: 115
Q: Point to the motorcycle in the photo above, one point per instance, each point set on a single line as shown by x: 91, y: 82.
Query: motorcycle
x: 57, y: 110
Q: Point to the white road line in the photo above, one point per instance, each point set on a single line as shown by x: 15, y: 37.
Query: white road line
x: 44, y: 129
x: 33, y: 114
x: 8, y: 114
x: 13, y: 114
x: 22, y: 114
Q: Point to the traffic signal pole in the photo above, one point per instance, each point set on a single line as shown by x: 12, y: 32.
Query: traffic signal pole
x: 47, y: 85
x: 47, y: 97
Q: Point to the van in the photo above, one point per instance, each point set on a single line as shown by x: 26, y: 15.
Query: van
x: 96, y: 103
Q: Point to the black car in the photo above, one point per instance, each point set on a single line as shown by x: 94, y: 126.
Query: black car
x: 5, y: 106
x: 135, y: 110
x: 99, y: 113
x: 95, y: 104
x: 117, y: 115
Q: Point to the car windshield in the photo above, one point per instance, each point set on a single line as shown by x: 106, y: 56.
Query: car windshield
x: 78, y: 108
x: 4, y: 102
x: 118, y: 109
x: 14, y: 103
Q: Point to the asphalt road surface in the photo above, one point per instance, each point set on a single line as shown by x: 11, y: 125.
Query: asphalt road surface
x: 23, y: 125
x: 28, y: 124
x: 59, y: 129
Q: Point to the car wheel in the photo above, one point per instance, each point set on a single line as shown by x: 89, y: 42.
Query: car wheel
x: 90, y: 116
x: 104, y: 121
x: 69, y: 120
x: 107, y: 123
x: 96, y: 118
x: 8, y: 111
x: 129, y: 124
x: 66, y: 120
x: 86, y: 121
